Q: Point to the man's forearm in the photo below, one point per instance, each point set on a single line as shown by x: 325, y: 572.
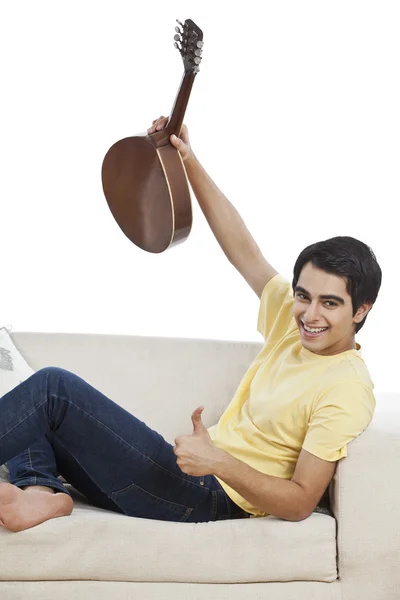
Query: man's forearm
x: 279, y: 497
x: 224, y: 220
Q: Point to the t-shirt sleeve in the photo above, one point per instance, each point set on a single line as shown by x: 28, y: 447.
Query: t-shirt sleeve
x: 340, y: 415
x: 275, y: 316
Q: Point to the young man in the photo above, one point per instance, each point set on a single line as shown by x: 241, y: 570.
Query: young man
x: 275, y: 448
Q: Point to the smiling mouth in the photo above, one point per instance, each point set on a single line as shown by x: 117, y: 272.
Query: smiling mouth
x: 312, y: 332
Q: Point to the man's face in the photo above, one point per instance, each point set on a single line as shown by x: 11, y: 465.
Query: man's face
x: 322, y: 303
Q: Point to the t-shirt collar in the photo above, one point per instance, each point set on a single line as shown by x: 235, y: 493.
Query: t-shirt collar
x: 307, y: 353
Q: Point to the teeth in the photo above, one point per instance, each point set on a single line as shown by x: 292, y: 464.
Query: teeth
x: 312, y: 329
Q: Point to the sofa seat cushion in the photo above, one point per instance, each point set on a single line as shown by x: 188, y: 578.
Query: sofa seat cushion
x: 96, y: 544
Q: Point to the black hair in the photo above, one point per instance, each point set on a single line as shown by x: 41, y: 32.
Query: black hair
x: 350, y: 259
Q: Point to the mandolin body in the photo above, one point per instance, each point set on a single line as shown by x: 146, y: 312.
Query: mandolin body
x: 147, y: 192
x: 144, y: 180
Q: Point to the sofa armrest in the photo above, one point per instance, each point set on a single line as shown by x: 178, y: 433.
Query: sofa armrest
x: 365, y: 495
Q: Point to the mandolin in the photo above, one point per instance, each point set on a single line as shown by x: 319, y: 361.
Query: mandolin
x: 143, y: 176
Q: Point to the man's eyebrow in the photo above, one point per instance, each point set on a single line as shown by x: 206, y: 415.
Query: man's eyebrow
x: 298, y: 288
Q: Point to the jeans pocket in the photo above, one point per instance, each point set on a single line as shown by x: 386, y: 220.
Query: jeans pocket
x: 134, y: 501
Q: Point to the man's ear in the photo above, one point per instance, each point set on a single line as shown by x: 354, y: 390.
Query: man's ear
x: 362, y: 312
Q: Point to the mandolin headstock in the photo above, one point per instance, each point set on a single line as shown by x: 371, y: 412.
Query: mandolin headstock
x: 189, y: 41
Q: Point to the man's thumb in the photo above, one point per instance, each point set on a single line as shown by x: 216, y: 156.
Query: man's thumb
x: 177, y: 142
x: 198, y: 425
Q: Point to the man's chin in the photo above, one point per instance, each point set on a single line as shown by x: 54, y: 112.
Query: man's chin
x: 316, y: 345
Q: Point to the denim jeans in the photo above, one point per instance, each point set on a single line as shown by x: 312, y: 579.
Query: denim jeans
x: 55, y: 423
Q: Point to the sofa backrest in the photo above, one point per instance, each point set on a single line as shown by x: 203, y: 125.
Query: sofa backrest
x: 160, y: 380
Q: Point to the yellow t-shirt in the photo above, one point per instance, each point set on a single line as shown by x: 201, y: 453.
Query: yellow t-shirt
x: 291, y: 398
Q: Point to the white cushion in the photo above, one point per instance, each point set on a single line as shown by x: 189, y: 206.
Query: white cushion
x: 13, y: 370
x: 97, y: 544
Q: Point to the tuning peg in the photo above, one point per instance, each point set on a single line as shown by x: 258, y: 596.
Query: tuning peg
x: 197, y: 52
x: 196, y: 69
x: 178, y: 29
x: 199, y: 44
x: 197, y: 60
x: 178, y: 47
x: 181, y: 24
x: 177, y: 37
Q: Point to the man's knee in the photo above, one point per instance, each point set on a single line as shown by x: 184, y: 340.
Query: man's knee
x: 51, y: 373
x: 48, y: 371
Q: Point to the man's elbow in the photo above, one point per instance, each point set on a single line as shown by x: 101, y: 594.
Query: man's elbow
x: 293, y: 514
x: 298, y: 515
x: 301, y: 516
x: 302, y: 510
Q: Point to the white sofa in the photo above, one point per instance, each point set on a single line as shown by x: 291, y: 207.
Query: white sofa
x: 98, y: 555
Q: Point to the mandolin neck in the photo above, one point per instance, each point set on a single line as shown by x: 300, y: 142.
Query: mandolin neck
x: 174, y: 125
x: 181, y: 101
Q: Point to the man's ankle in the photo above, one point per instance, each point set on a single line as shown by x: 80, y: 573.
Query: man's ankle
x: 40, y: 488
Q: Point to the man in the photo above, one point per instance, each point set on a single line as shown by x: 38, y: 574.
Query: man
x: 275, y: 448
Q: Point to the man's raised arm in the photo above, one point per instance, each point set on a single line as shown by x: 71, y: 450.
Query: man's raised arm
x: 225, y: 222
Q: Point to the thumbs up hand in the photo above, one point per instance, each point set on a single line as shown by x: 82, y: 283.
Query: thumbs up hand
x: 196, y: 453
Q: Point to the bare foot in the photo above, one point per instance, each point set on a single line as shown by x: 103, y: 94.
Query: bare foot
x: 21, y: 509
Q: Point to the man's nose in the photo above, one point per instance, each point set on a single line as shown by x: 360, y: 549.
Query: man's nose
x: 312, y: 313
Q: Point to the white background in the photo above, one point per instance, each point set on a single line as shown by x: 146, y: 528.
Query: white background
x: 295, y: 114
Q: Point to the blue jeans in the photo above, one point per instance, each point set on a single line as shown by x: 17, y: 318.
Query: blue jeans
x: 54, y: 423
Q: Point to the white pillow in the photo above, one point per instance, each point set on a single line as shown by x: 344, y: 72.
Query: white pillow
x: 13, y: 370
